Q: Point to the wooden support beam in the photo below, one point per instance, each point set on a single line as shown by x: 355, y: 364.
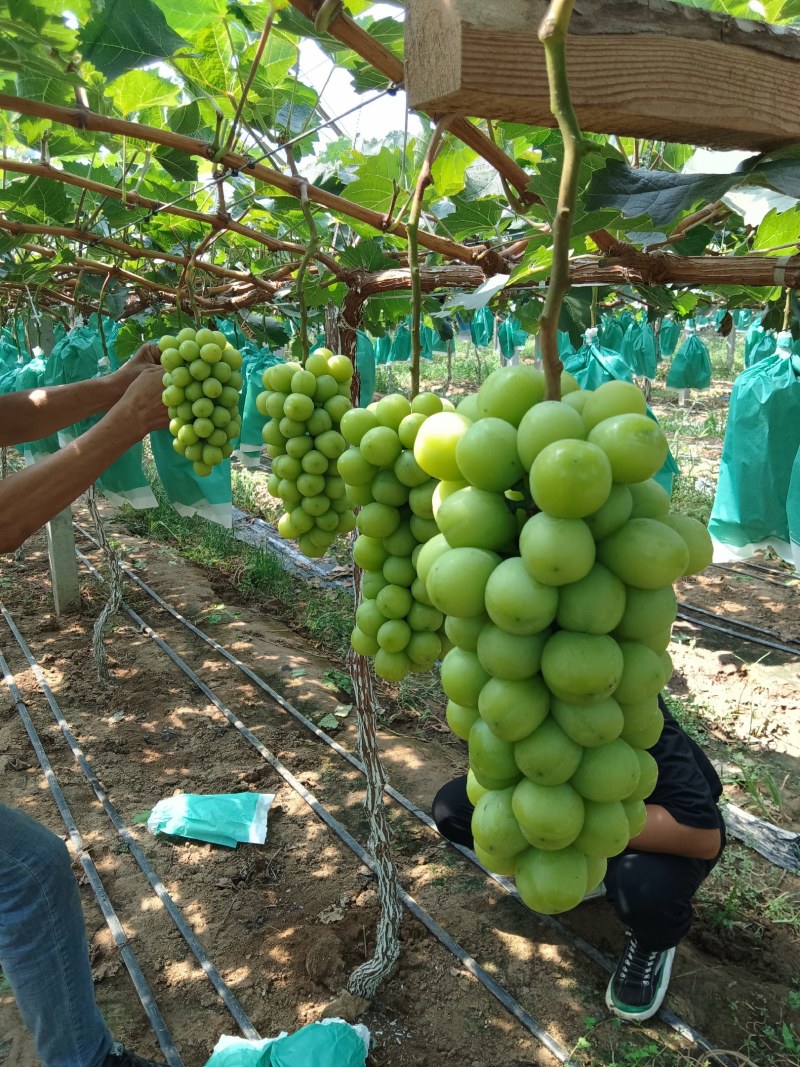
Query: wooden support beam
x: 638, y: 68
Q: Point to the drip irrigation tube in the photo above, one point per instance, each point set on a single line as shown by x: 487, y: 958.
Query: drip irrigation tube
x: 744, y: 633
x: 213, y: 975
x: 760, y: 576
x: 508, y: 1002
x: 673, y: 1021
x: 140, y: 984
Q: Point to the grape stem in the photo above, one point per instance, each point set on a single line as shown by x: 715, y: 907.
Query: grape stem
x: 424, y: 179
x: 553, y: 35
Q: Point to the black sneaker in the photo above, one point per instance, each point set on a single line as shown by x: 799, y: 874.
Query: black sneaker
x: 119, y: 1056
x: 639, y: 984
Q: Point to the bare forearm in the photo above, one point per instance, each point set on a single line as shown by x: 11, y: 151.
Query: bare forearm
x: 35, y: 413
x: 33, y: 496
x: 663, y: 833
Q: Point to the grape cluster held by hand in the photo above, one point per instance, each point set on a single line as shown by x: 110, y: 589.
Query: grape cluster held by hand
x: 202, y: 382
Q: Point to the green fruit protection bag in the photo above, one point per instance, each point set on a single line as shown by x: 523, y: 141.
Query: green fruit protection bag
x: 758, y: 344
x: 610, y: 333
x: 510, y: 336
x: 639, y: 349
x: 329, y: 1043
x: 691, y: 365
x: 593, y: 365
x: 255, y: 361
x: 189, y: 493
x: 481, y: 328
x: 383, y: 349
x: 221, y: 819
x: 668, y: 337
x: 793, y: 512
x: 759, y: 454
x: 83, y: 354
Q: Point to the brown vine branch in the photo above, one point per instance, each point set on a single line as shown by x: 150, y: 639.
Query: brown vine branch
x: 262, y: 44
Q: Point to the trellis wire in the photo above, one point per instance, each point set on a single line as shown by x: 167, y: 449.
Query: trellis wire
x: 140, y: 984
x: 115, y: 587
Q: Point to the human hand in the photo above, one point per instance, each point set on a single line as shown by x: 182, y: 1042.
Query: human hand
x: 147, y: 355
x: 142, y: 403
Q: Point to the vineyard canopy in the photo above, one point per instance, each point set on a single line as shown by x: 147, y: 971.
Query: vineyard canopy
x: 160, y: 157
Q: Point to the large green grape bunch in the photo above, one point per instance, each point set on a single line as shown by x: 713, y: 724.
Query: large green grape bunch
x: 395, y: 621
x: 305, y: 406
x: 554, y: 567
x: 202, y: 382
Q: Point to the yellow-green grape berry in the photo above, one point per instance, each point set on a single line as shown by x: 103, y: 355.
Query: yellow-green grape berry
x: 229, y: 397
x: 218, y: 339
x: 203, y: 408
x: 298, y: 407
x: 166, y: 379
x: 184, y: 411
x: 303, y: 381
x: 292, y: 428
x: 212, y: 455
x: 174, y: 426
x: 203, y: 427
x: 204, y: 337
x: 319, y: 422
x: 210, y: 353
x: 167, y: 341
x: 274, y: 404
x: 340, y: 368
x: 189, y: 351
x: 314, y: 462
x: 212, y: 388
x: 233, y: 429
x: 178, y: 445
x: 194, y: 452
x: 221, y: 371
x: 199, y: 370
x: 220, y: 416
x: 186, y: 334
x: 193, y: 391
x: 172, y: 412
x: 233, y: 357
x: 227, y: 450
x: 235, y: 381
x: 327, y: 386
x: 187, y: 435
x: 218, y: 437
x: 329, y: 520
x: 181, y: 376
x: 298, y: 446
x: 202, y: 470
x: 317, y: 364
x: 261, y: 404
x: 171, y: 359
x: 172, y: 396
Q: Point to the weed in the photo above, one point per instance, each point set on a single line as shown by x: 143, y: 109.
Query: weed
x: 688, y: 716
x: 692, y: 497
x: 757, y: 781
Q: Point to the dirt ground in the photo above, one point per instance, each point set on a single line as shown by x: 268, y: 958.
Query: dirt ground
x: 286, y: 922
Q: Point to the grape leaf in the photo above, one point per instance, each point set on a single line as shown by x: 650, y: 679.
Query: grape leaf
x: 127, y: 34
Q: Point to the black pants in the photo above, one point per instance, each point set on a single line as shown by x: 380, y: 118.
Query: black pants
x: 651, y: 892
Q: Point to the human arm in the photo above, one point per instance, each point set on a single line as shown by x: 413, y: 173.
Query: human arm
x: 32, y: 414
x: 31, y: 497
x: 663, y: 833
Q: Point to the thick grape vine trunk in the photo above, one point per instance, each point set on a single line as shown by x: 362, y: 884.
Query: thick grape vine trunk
x: 365, y: 980
x: 114, y: 601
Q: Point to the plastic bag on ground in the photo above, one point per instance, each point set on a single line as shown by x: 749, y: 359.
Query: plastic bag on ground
x: 759, y: 454
x: 328, y: 1043
x: 221, y: 819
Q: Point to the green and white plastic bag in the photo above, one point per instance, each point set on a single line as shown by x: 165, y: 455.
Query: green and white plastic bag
x: 639, y: 349
x: 510, y: 336
x: 759, y: 453
x: 691, y: 364
x: 758, y: 344
x: 593, y: 365
x: 255, y: 361
x: 187, y: 492
x: 221, y: 819
x: 668, y: 337
x: 610, y: 333
x: 327, y: 1043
